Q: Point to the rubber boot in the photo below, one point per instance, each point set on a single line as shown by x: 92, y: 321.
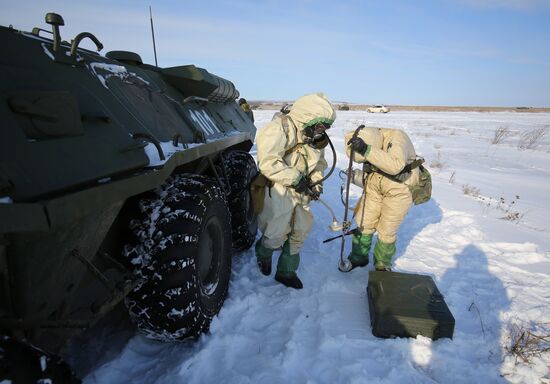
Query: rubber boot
x: 383, y: 253
x: 263, y: 257
x: 286, y: 268
x: 360, y: 248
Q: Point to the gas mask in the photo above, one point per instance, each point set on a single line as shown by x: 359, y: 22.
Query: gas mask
x: 315, y: 135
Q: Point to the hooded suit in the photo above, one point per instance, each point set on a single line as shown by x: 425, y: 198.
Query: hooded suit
x: 284, y: 159
x: 386, y: 196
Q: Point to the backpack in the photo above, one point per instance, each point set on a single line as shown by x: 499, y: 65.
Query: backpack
x: 422, y: 192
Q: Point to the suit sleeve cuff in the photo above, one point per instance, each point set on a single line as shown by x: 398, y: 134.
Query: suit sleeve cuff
x: 368, y: 150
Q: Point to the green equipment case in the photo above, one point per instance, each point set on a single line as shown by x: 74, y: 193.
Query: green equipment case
x: 407, y: 305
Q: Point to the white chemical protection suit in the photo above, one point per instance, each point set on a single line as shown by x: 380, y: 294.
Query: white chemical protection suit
x: 284, y: 158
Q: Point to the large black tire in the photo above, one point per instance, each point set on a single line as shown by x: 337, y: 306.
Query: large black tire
x: 183, y: 259
x: 24, y: 363
x: 241, y: 170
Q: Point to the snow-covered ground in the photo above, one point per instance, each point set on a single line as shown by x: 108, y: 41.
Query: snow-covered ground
x: 484, y: 237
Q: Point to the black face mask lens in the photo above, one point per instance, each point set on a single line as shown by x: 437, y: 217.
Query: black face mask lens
x: 309, y: 132
x: 316, y: 131
x: 315, y: 135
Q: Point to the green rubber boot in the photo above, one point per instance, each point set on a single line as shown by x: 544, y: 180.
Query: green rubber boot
x: 360, y: 248
x: 383, y: 253
x: 263, y: 257
x: 286, y: 268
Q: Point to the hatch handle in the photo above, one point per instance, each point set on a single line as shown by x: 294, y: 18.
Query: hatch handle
x: 78, y: 38
x: 177, y: 139
x: 152, y: 140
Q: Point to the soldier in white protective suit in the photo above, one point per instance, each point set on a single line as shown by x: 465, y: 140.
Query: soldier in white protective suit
x: 291, y: 157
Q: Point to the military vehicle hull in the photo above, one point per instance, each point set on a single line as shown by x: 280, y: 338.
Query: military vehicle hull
x: 86, y: 143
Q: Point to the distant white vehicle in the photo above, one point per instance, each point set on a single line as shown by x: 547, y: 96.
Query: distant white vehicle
x: 378, y: 109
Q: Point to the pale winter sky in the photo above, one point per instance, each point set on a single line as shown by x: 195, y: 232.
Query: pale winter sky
x: 426, y: 52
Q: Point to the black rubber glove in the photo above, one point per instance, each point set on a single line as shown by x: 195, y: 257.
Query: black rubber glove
x: 358, y: 145
x: 315, y: 191
x: 301, y: 185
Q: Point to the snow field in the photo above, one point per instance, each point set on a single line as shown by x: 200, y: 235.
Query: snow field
x: 493, y: 272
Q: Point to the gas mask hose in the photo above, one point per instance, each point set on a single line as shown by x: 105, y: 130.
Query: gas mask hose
x: 334, y: 159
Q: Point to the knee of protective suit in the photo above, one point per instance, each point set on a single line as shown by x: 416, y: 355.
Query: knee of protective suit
x: 367, y: 215
x: 301, y: 226
x: 273, y: 243
x: 387, y: 237
x: 295, y: 245
x: 388, y: 226
x: 296, y: 240
x: 366, y: 230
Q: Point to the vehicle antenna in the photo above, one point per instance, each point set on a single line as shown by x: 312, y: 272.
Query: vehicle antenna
x: 153, y: 34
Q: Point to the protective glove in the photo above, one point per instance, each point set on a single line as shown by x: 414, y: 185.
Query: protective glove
x: 358, y: 145
x: 315, y: 191
x: 301, y: 185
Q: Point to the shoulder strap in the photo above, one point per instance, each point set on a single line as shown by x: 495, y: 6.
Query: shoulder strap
x: 286, y: 127
x: 408, y: 168
x: 295, y: 148
x: 284, y: 122
x: 415, y: 164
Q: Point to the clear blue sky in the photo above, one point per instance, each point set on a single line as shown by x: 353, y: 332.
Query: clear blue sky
x: 441, y: 52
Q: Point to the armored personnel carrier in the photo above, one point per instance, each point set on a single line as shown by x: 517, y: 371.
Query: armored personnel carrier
x: 119, y: 181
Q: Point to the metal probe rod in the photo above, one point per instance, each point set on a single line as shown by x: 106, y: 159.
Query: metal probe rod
x: 345, y: 266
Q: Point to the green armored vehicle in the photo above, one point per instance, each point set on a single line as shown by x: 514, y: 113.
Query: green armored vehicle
x: 119, y: 181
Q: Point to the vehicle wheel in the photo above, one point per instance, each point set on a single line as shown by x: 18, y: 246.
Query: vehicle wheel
x: 183, y: 259
x: 241, y: 170
x: 22, y: 363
